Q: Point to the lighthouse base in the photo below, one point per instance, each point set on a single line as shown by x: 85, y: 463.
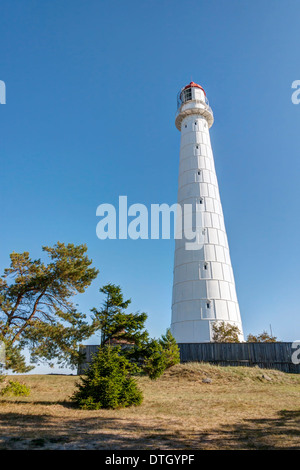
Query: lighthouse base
x: 198, y: 331
x: 192, y: 331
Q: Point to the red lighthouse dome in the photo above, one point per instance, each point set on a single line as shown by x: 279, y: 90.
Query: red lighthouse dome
x: 194, y: 85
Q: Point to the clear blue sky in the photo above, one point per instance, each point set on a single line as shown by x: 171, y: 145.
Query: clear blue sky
x: 91, y: 101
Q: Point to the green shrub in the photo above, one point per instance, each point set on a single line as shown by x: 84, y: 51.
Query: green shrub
x: 14, y: 388
x: 108, y: 383
x: 160, y: 355
x: 170, y: 348
x: 154, y: 363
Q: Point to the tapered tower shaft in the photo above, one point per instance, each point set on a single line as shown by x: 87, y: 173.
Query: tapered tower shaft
x: 203, y: 285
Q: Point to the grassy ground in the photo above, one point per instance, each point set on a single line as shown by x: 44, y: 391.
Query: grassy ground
x: 241, y: 408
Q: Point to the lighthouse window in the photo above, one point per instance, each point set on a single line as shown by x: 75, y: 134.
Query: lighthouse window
x: 201, y: 199
x: 199, y: 172
x: 188, y: 94
x: 205, y: 266
x: 208, y: 305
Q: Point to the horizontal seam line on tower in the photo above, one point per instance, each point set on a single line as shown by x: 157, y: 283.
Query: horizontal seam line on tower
x: 201, y: 261
x: 195, y: 169
x: 202, y: 195
x: 204, y: 279
x: 212, y: 244
x: 205, y: 299
x: 199, y: 182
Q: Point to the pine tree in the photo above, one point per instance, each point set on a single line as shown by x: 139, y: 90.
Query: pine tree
x: 160, y: 355
x: 170, y: 348
x: 154, y: 360
x: 108, y: 383
x: 36, y: 307
x: 116, y: 325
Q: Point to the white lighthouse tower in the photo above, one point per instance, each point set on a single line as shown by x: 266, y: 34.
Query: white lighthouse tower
x: 203, y: 285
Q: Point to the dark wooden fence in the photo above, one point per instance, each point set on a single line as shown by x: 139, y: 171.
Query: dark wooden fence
x: 264, y: 355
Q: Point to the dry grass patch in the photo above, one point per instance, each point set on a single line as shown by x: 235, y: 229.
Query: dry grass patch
x: 241, y: 408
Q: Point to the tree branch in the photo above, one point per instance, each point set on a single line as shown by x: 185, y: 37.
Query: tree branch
x: 30, y: 317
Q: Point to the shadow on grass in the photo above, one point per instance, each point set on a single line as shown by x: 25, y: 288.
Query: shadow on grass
x: 22, y: 431
x: 64, y: 403
x: 282, y: 432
